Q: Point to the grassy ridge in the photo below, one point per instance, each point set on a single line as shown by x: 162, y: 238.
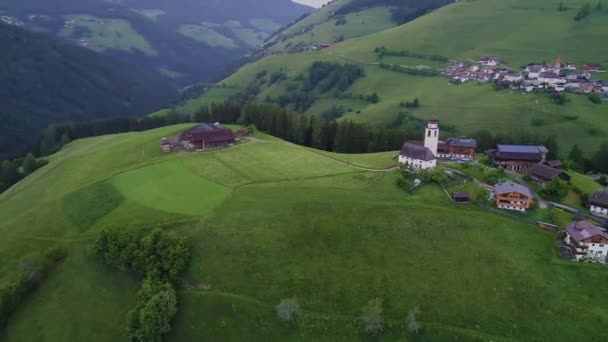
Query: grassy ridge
x: 297, y: 223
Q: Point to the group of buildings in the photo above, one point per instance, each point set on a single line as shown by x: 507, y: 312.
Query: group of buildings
x: 585, y: 240
x: 557, y: 76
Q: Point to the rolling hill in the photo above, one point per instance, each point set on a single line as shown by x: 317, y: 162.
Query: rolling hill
x: 268, y: 220
x: 517, y: 31
x: 187, y: 41
x: 44, y: 80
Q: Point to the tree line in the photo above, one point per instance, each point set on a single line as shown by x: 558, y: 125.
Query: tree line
x: 159, y: 257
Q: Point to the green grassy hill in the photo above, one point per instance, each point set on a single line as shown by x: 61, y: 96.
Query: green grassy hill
x: 269, y: 220
x: 517, y: 31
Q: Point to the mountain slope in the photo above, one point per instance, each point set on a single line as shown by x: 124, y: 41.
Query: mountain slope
x: 268, y: 220
x: 188, y: 41
x: 346, y: 19
x: 44, y: 80
x: 516, y: 31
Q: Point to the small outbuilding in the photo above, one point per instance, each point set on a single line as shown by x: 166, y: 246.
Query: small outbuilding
x: 461, y: 197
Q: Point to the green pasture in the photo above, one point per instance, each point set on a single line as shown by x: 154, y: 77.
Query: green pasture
x: 207, y: 35
x: 108, y: 33
x: 269, y: 220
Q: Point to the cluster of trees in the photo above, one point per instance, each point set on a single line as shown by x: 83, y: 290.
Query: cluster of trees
x: 345, y: 136
x: 585, y: 10
x: 159, y: 257
x: 12, y: 171
x: 33, y: 270
x: 410, y: 104
x: 409, y: 71
x: 383, y: 51
x: 325, y: 76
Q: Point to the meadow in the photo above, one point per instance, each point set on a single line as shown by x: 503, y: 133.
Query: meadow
x: 269, y: 220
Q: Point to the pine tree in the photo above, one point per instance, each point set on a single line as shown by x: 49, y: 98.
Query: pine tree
x: 576, y: 156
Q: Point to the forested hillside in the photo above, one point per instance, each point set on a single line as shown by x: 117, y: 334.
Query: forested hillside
x: 187, y: 41
x: 44, y: 80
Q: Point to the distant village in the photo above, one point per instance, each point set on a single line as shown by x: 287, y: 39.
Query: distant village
x: 557, y: 77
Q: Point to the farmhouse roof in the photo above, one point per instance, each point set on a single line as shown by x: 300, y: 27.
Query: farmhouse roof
x: 600, y: 199
x: 463, y: 195
x: 520, y: 152
x: 462, y: 142
x: 583, y: 230
x: 535, y: 68
x: 415, y: 151
x: 547, y: 173
x: 210, y: 133
x: 508, y: 187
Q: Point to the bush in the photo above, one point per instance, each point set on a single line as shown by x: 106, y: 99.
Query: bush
x: 371, y: 317
x: 33, y: 270
x: 595, y: 98
x: 151, y: 317
x: 287, y: 309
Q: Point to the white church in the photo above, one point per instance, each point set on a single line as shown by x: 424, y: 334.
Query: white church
x: 420, y: 155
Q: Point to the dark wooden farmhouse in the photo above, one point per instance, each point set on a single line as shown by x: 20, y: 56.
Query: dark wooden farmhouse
x: 205, y: 136
x: 518, y: 158
x: 462, y: 148
x: 544, y: 173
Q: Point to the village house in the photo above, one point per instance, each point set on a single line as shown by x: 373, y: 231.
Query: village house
x: 534, y: 71
x: 598, y: 203
x: 550, y: 78
x: 422, y: 156
x: 488, y: 60
x: 205, y: 136
x: 461, y: 197
x: 592, y: 67
x: 544, y: 173
x: 513, y: 196
x: 514, y: 77
x: 518, y: 158
x: 587, y: 240
x: 457, y: 148
x: 556, y: 164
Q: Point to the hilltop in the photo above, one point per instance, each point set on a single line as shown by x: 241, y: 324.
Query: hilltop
x: 268, y: 220
x: 186, y: 41
x: 44, y: 80
x: 516, y: 31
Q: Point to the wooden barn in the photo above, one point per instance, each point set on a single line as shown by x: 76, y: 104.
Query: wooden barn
x: 205, y: 136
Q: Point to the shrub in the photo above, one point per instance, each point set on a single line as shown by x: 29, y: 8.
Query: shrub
x: 287, y: 309
x: 371, y: 317
x: 412, y: 324
x: 595, y: 98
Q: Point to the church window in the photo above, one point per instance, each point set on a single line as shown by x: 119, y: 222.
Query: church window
x: 428, y: 133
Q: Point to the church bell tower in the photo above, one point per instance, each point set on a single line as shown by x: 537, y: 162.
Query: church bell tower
x: 431, y: 135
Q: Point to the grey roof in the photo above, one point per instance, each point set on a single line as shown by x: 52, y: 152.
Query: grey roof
x: 582, y: 230
x: 462, y: 142
x: 520, y: 152
x: 548, y: 74
x: 418, y: 152
x: 547, y: 173
x: 600, y: 199
x: 535, y: 68
x: 506, y: 187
